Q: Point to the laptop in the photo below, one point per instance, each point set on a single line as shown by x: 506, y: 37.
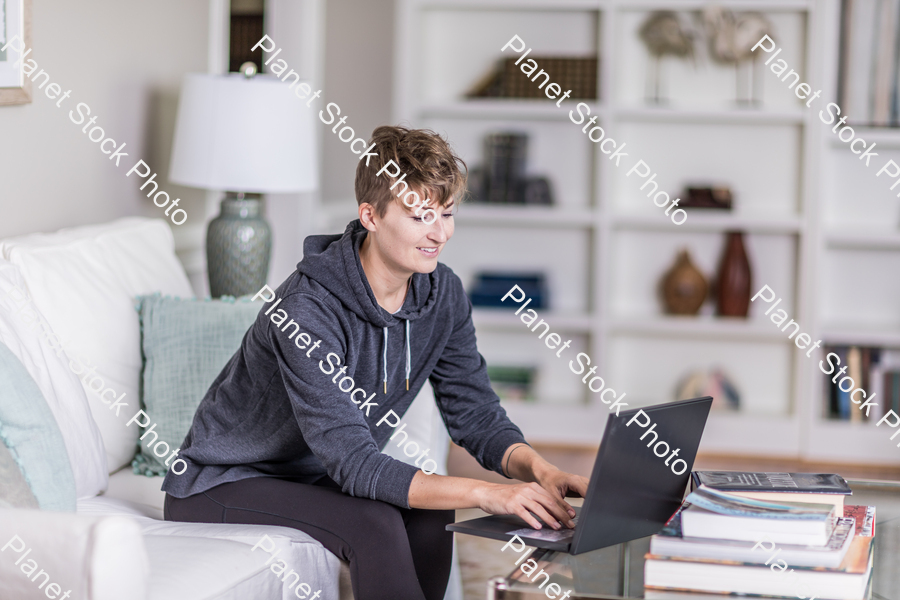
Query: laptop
x: 632, y: 492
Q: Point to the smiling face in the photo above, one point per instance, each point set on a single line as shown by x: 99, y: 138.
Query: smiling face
x: 402, y: 241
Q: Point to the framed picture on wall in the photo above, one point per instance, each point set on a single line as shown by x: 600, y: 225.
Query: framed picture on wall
x: 15, y: 35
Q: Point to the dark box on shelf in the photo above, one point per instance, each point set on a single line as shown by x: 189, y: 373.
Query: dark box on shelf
x: 489, y: 288
x: 507, y: 80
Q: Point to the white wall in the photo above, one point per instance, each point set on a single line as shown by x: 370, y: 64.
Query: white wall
x: 297, y: 28
x: 359, y: 37
x: 126, y: 61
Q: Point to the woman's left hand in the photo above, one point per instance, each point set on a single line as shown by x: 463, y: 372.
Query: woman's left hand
x: 561, y: 484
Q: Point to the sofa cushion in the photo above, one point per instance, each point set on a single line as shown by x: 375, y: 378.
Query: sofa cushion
x: 317, y: 566
x: 85, y: 280
x: 189, y: 568
x: 28, y: 428
x: 14, y: 493
x: 186, y: 343
x: 144, y: 493
x: 27, y: 334
x: 93, y: 558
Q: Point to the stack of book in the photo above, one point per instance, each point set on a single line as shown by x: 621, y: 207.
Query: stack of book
x: 786, y: 535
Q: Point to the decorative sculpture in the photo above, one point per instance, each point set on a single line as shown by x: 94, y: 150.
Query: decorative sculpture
x: 730, y: 38
x: 664, y: 32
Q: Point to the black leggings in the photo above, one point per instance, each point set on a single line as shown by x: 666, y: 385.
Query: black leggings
x: 394, y: 553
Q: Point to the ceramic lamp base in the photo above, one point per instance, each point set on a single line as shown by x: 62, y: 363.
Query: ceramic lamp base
x: 238, y: 247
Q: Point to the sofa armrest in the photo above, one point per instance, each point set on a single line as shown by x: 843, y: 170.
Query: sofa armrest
x: 47, y: 554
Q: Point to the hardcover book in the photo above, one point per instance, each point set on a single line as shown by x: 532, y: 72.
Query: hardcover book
x: 741, y: 481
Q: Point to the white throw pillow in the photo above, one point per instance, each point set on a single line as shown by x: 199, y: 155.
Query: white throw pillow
x: 25, y: 332
x: 84, y: 280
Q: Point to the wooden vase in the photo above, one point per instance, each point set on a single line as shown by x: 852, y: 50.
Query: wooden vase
x: 684, y: 287
x: 735, y: 279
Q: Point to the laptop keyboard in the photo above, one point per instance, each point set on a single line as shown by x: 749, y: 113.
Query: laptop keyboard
x: 546, y: 533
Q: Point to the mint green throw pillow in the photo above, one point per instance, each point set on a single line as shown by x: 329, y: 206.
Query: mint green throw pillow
x: 30, y: 432
x: 185, y: 343
x: 14, y: 490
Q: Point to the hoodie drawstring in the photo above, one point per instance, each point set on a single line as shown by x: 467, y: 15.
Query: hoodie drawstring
x: 407, y: 355
x: 384, y: 357
x: 384, y: 360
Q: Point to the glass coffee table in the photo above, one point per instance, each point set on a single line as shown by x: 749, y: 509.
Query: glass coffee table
x: 618, y: 571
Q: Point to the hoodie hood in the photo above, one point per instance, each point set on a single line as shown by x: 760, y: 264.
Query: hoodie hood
x: 332, y: 261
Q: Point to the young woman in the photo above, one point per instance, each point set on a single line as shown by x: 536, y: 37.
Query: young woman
x: 281, y: 439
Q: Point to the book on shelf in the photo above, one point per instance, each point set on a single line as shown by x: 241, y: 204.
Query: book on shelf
x: 854, y: 371
x: 818, y: 488
x: 869, y: 64
x: 838, y: 570
x: 513, y: 383
x: 713, y: 514
x: 874, y: 370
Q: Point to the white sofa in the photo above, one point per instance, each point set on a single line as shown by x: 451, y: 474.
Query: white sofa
x: 81, y: 282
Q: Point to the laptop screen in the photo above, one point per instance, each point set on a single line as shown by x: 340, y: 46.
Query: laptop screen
x: 641, y: 472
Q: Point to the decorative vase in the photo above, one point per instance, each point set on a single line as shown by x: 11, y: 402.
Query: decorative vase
x: 238, y: 245
x: 734, y: 281
x: 684, y: 287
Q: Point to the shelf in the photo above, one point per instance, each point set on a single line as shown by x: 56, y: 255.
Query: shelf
x: 700, y: 219
x: 861, y: 334
x: 568, y: 424
x: 510, y: 4
x: 699, y: 327
x: 863, y: 240
x: 886, y: 137
x: 633, y: 5
x: 724, y: 432
x: 501, y: 108
x: 506, y: 319
x: 741, y: 433
x: 859, y: 443
x: 523, y: 215
x: 713, y: 115
x: 754, y: 5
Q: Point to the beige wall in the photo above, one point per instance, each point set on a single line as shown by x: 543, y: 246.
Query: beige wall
x: 125, y: 60
x: 358, y: 77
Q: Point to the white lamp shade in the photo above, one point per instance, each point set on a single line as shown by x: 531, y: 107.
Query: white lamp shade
x: 243, y: 135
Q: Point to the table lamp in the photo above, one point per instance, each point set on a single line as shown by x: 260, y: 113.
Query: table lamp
x: 246, y: 136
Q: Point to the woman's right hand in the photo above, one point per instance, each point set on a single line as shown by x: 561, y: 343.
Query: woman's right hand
x: 519, y: 499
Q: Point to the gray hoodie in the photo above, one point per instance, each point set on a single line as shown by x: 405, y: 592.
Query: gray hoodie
x: 274, y: 412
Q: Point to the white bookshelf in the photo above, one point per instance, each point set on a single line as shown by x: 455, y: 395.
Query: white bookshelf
x: 855, y: 250
x: 604, y: 246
